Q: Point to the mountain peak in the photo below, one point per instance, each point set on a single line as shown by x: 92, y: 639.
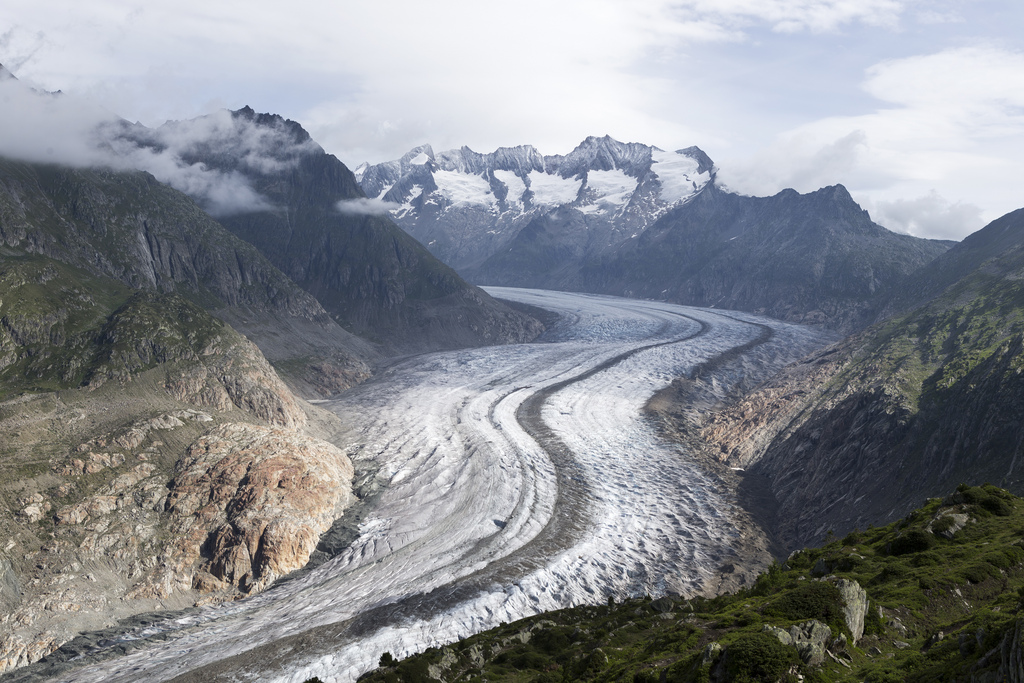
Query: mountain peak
x: 292, y: 128
x: 704, y: 163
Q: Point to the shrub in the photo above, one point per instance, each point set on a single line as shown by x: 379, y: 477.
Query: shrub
x: 853, y: 538
x: 646, y: 676
x: 913, y: 541
x: 944, y: 523
x: 530, y: 660
x: 813, y: 600
x: 759, y: 657
x: 978, y: 572
x: 550, y: 640
x: 769, y: 580
x: 873, y: 624
x: 997, y: 506
x: 892, y: 571
x: 927, y: 559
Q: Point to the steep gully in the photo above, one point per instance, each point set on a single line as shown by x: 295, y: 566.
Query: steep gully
x: 514, y: 479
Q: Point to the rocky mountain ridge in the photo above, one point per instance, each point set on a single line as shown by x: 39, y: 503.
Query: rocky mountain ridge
x: 466, y: 206
x: 814, y: 258
x: 631, y: 220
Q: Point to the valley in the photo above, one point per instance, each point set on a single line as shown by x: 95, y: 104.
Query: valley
x: 504, y: 481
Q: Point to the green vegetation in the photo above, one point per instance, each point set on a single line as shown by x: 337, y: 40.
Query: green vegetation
x: 940, y: 608
x: 61, y: 327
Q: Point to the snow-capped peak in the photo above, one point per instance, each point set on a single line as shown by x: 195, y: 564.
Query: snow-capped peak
x: 612, y: 187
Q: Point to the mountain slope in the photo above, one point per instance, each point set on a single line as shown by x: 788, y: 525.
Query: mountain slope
x: 151, y: 458
x: 814, y: 258
x: 858, y: 432
x: 935, y: 596
x: 129, y: 227
x: 310, y: 220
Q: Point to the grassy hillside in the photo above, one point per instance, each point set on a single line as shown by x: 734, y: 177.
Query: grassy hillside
x: 944, y: 591
x: 61, y: 328
x: 916, y: 404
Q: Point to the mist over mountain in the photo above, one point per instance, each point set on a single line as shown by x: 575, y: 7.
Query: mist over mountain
x: 300, y: 213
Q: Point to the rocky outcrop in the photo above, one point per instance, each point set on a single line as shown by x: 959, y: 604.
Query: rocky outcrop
x: 249, y: 504
x: 177, y: 473
x: 855, y: 606
x: 239, y: 377
x: 1005, y: 662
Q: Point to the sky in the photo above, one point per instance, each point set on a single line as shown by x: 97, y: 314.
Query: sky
x: 916, y: 106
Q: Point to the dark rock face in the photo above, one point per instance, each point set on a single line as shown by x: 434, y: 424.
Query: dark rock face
x: 862, y: 432
x: 814, y: 258
x: 371, y: 277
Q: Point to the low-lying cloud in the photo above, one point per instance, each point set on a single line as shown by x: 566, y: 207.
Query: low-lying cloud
x: 929, y: 216
x: 365, y: 207
x: 55, y: 128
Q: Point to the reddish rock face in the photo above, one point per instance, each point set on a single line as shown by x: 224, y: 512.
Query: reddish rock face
x: 250, y: 503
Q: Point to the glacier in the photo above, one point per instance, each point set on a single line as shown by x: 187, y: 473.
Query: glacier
x: 514, y: 479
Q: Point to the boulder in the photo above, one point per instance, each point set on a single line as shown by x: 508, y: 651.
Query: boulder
x: 855, y: 606
x: 779, y: 633
x: 810, y: 639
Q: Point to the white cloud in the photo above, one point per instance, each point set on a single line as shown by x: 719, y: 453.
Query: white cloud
x: 952, y: 122
x: 42, y: 127
x: 372, y: 80
x: 366, y: 207
x: 930, y: 215
x: 800, y: 162
x: 790, y: 16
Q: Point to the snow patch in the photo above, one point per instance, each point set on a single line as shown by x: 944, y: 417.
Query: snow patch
x: 464, y: 188
x: 419, y: 159
x: 611, y: 187
x: 516, y: 187
x: 678, y: 175
x: 552, y: 190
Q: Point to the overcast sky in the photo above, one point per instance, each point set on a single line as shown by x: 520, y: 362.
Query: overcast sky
x: 916, y: 106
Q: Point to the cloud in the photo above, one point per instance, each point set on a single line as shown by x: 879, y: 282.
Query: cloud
x: 950, y: 122
x: 928, y: 216
x: 783, y: 83
x: 366, y: 207
x: 798, y: 162
x: 57, y: 128
x: 791, y: 16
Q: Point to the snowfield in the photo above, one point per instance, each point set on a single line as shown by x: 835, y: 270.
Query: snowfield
x: 515, y: 479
